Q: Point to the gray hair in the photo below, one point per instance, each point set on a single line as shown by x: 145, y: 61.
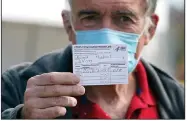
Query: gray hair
x: 150, y: 9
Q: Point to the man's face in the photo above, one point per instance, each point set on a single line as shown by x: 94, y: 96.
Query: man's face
x: 122, y: 15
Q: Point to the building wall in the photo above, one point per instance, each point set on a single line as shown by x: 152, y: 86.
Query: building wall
x: 24, y: 42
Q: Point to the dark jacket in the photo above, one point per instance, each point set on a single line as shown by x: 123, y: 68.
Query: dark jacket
x: 169, y: 93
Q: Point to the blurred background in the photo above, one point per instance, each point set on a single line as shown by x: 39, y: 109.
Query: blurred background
x: 31, y: 28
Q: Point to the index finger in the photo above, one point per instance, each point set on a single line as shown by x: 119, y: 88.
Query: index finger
x: 55, y: 78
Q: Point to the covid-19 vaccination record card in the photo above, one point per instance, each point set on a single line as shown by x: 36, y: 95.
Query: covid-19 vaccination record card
x: 104, y: 64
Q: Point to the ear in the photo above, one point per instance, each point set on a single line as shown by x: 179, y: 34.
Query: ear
x: 66, y: 21
x: 67, y: 25
x: 153, y: 27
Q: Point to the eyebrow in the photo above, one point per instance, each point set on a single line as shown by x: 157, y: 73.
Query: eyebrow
x: 87, y: 12
x: 125, y: 12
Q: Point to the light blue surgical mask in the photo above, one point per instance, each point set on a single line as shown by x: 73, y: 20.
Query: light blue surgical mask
x: 108, y: 36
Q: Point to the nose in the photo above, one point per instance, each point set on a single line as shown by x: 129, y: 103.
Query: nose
x: 107, y: 23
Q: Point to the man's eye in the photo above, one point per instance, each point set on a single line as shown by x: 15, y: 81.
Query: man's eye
x: 89, y: 20
x: 125, y: 19
x: 124, y: 22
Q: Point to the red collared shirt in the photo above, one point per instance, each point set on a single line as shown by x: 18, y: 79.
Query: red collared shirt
x: 142, y: 106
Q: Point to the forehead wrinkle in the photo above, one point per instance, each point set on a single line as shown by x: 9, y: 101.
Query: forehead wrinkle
x: 111, y: 9
x: 106, y: 6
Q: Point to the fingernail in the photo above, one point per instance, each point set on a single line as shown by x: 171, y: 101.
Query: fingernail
x: 74, y: 102
x: 81, y: 90
x: 77, y: 80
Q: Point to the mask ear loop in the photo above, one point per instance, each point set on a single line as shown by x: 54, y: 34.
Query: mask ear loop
x: 142, y: 33
x: 144, y: 28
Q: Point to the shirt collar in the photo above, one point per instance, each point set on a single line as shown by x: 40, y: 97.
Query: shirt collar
x: 143, y: 85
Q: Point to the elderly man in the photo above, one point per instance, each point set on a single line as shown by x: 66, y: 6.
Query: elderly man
x: 48, y: 89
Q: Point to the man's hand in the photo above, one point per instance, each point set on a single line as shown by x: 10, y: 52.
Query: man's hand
x: 47, y: 95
